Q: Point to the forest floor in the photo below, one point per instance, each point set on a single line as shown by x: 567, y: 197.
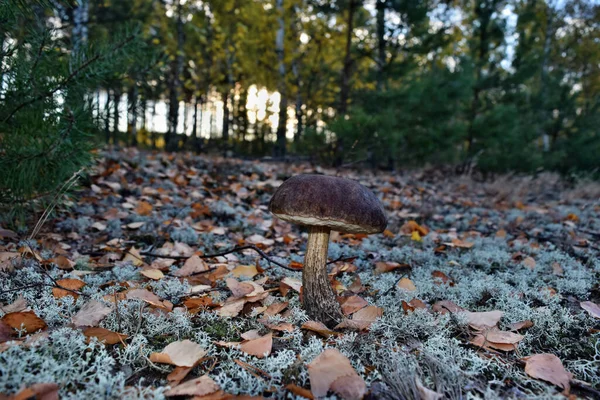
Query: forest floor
x: 475, y: 290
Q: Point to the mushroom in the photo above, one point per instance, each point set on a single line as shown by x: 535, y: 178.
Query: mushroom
x: 324, y: 203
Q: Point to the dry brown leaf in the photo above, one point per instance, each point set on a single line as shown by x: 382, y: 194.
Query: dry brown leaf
x: 231, y: 308
x: 446, y: 306
x: 195, y: 387
x: 281, y: 326
x: 152, y: 273
x: 276, y: 308
x: 352, y: 304
x: 178, y: 374
x: 99, y: 226
x: 362, y: 319
x: 406, y: 284
x: 39, y: 391
x: 134, y: 257
x: 149, y: 297
x: 135, y: 225
x: 19, y: 304
x: 6, y: 332
x: 7, y: 259
x: 192, y: 265
x: 26, y: 320
x: 483, y: 320
x: 104, y: 335
x: 91, y: 314
x: 331, y: 370
x: 299, y: 391
x: 246, y: 271
x: 144, y: 208
x: 497, y: 339
x: 388, y: 266
x: 592, y: 308
x: 319, y: 328
x: 557, y: 269
x: 198, y: 302
x: 461, y: 244
x: 63, y: 263
x: 549, y: 368
x: 516, y: 326
x: 260, y: 347
x: 412, y: 226
x: 184, y: 353
x: 69, y: 283
x: 293, y: 283
x: 251, y: 334
x: 239, y: 289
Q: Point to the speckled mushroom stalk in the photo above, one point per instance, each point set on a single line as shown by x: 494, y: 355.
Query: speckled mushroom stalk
x: 324, y: 203
x: 318, y: 298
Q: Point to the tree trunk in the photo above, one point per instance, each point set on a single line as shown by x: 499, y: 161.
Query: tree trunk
x: 107, y: 115
x: 225, y: 117
x: 171, y: 140
x: 132, y: 97
x: 80, y: 26
x: 281, y: 85
x: 347, y: 70
x: 318, y: 298
x: 543, y: 114
x: 116, y: 111
x: 381, y: 59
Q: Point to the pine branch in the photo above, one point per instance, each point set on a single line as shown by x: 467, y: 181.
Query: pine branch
x: 68, y: 79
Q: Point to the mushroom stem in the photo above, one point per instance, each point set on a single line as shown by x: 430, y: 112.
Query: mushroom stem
x: 317, y: 296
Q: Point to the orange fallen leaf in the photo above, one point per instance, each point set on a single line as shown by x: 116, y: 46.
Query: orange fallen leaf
x: 152, y: 273
x: 461, y: 243
x: 26, y: 320
x: 299, y: 391
x: 412, y: 226
x: 63, y: 263
x: 104, y: 335
x: 406, y: 284
x: 144, y: 208
x: 276, y: 308
x: 549, y: 368
x: 331, y: 370
x: 183, y: 353
x: 69, y: 283
x: 387, y: 266
x: 247, y: 271
x: 319, y: 328
x: 178, y: 374
x: 260, y: 347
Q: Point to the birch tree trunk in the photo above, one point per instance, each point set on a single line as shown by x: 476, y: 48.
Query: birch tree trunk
x: 281, y: 86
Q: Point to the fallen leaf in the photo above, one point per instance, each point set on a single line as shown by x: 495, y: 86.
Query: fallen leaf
x: 6, y: 332
x: 406, y: 284
x: 133, y: 256
x: 63, y: 263
x: 362, y: 319
x: 549, y: 368
x: 319, y: 328
x: 281, y: 326
x: 461, y: 244
x: 152, y: 273
x: 8, y: 259
x: 239, y: 289
x: 483, y: 320
x: 387, y: 266
x: 18, y: 305
x: 557, y: 269
x: 39, y: 391
x: 148, y: 297
x: 260, y: 347
x: 352, y: 304
x: 104, y: 335
x: 516, y: 326
x: 232, y: 308
x: 183, y: 353
x: 99, y: 226
x: 246, y: 271
x: 292, y: 283
x: 91, y: 314
x: 276, y: 308
x: 331, y: 370
x: 299, y: 391
x: 416, y: 236
x: 497, y: 339
x: 144, y: 208
x: 192, y: 265
x: 198, y: 302
x: 412, y: 226
x: 195, y: 387
x: 26, y: 320
x: 135, y: 225
x: 592, y: 308
x: 446, y: 306
x: 251, y: 334
x: 178, y: 374
x: 69, y: 283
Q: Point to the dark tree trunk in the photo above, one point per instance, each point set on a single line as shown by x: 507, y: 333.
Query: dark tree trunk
x: 107, y: 116
x: 381, y: 59
x: 226, y: 117
x: 347, y: 70
x: 132, y: 98
x: 171, y: 140
x: 116, y: 111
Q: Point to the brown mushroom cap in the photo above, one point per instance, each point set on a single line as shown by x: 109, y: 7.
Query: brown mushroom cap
x: 318, y: 200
